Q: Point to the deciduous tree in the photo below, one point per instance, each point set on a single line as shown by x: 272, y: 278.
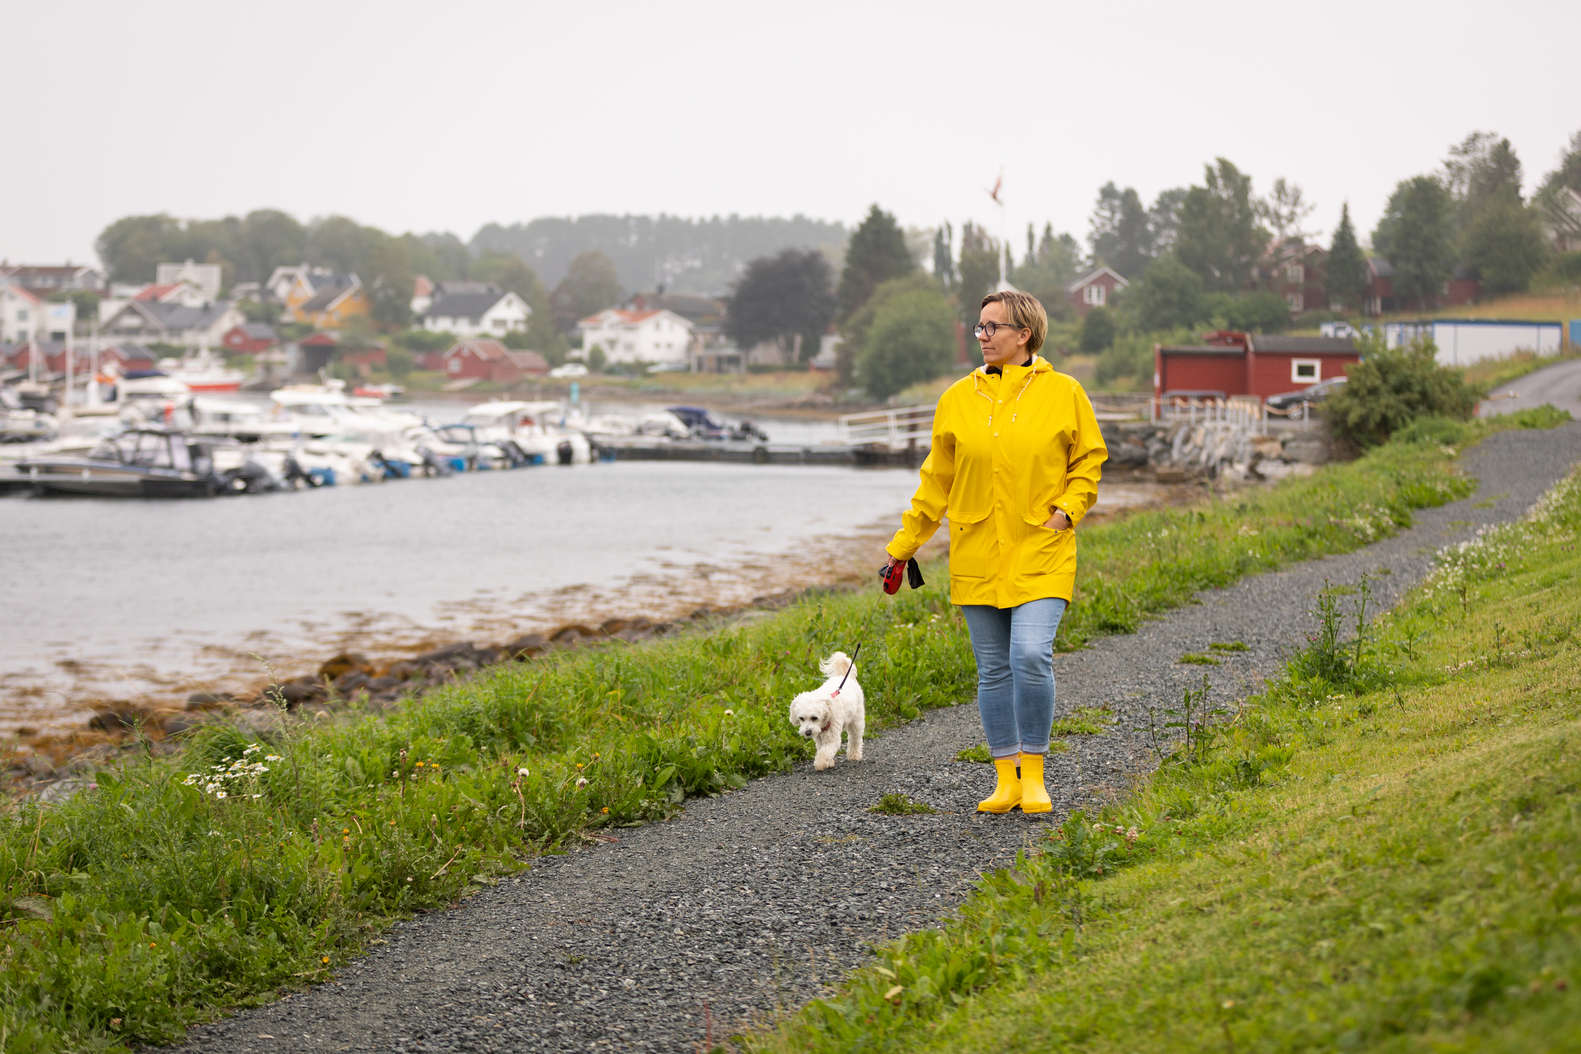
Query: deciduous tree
x: 590, y: 285
x: 1285, y: 210
x: 912, y: 340
x: 1097, y: 330
x: 133, y: 247
x: 781, y: 297
x: 1505, y: 244
x: 1218, y: 236
x: 1169, y: 295
x: 876, y: 253
x: 979, y: 269
x: 1417, y: 235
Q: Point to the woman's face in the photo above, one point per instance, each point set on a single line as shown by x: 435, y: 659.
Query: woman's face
x: 1008, y: 344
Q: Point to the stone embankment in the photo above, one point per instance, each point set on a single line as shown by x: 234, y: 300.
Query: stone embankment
x: 1174, y: 451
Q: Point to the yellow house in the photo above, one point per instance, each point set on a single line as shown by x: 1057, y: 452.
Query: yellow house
x: 333, y: 305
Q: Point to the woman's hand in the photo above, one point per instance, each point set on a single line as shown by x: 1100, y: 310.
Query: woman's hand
x: 1059, y: 521
x: 891, y: 563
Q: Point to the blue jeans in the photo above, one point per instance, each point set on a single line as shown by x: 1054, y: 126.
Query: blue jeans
x: 1015, y: 673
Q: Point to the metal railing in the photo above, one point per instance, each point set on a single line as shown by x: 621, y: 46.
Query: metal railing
x: 900, y: 427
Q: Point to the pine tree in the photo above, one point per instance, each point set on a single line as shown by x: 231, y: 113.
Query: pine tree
x: 1347, y: 266
x: 877, y: 252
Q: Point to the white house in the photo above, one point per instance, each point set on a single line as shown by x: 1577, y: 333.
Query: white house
x: 637, y: 336
x: 153, y: 322
x: 21, y: 315
x: 475, y: 309
x: 206, y: 277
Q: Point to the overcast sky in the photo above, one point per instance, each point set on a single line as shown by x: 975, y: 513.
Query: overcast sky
x: 447, y: 116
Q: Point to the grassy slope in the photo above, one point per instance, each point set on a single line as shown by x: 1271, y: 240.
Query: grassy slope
x: 167, y: 901
x: 1372, y: 856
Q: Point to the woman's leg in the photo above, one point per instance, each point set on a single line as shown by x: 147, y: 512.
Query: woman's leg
x: 996, y: 701
x: 991, y: 629
x: 1032, y: 628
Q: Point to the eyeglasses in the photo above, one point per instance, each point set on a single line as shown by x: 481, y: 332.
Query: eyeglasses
x: 988, y: 329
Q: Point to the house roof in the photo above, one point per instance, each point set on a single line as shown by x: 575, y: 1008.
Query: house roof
x: 176, y: 316
x: 258, y: 331
x: 23, y: 293
x: 329, y: 295
x: 320, y: 339
x: 528, y: 361
x: 154, y: 292
x: 693, y: 308
x: 627, y: 317
x: 1201, y: 349
x: 422, y: 286
x: 1380, y: 267
x: 1302, y: 345
x: 470, y: 304
x: 1088, y: 279
x: 487, y: 350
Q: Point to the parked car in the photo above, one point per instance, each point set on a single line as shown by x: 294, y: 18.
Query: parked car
x: 1294, y: 404
x: 570, y: 369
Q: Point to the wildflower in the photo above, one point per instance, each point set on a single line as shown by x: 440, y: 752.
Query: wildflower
x: 595, y: 757
x: 578, y: 764
x: 152, y: 944
x: 580, y: 782
x: 730, y: 713
x: 419, y: 764
x: 1132, y: 835
x: 345, y: 830
x: 326, y: 958
x: 219, y: 794
x: 605, y: 810
x: 523, y: 771
x: 408, y: 878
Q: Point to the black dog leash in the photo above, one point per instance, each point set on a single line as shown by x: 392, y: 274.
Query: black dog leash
x: 849, y: 668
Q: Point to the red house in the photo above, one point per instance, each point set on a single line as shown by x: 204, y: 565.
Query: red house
x: 1227, y: 363
x: 250, y: 338
x: 493, y: 361
x: 1095, y: 290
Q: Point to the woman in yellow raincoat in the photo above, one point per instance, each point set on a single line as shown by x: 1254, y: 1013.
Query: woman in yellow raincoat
x: 1015, y: 462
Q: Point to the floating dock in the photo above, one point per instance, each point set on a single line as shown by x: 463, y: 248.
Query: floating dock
x: 658, y: 448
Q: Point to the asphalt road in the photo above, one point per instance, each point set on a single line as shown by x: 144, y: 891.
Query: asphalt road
x: 1559, y: 385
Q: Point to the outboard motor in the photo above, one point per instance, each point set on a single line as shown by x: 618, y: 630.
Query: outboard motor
x: 294, y: 474
x: 565, y: 451
x: 433, y: 464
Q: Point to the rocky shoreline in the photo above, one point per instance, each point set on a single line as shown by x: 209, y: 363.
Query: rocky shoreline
x: 55, y: 765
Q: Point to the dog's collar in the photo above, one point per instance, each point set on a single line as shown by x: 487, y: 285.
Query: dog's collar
x: 826, y: 728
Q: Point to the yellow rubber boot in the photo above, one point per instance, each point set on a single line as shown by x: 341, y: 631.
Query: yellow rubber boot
x: 1034, y: 796
x: 1007, y: 794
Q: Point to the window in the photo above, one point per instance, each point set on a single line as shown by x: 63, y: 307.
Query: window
x: 455, y: 364
x: 21, y: 314
x: 1306, y: 371
x: 1296, y: 273
x: 1296, y: 300
x: 1094, y: 294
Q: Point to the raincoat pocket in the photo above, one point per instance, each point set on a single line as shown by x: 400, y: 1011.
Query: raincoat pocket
x: 974, y: 548
x: 1045, y: 549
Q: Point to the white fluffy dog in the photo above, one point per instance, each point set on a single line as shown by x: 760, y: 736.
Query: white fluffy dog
x: 826, y: 711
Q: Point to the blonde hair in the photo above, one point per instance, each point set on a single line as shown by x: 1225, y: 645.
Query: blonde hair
x: 1024, y: 312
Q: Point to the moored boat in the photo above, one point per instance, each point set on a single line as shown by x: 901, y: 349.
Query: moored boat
x: 140, y: 463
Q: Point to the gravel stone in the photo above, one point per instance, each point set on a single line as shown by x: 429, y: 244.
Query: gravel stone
x: 750, y: 904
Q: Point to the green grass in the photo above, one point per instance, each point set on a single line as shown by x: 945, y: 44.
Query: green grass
x: 1084, y: 721
x: 1198, y: 659
x: 897, y: 804
x: 1377, y: 854
x: 1226, y: 646
x: 166, y: 902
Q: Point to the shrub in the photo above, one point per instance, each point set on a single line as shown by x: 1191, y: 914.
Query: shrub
x: 1391, y: 387
x: 912, y: 340
x: 1097, y: 330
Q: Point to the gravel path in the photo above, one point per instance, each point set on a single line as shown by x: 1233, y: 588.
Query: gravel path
x: 752, y: 903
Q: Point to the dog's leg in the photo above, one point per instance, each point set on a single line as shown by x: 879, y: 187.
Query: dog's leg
x: 827, y: 745
x: 853, y: 748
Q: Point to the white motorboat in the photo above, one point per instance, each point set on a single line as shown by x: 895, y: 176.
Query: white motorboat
x: 535, y: 427
x: 203, y: 371
x: 18, y: 424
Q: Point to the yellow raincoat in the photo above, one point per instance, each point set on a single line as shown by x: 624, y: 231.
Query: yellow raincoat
x: 1007, y: 450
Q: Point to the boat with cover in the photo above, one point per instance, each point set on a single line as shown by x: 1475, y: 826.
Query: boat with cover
x: 204, y: 371
x: 535, y: 427
x: 140, y: 463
